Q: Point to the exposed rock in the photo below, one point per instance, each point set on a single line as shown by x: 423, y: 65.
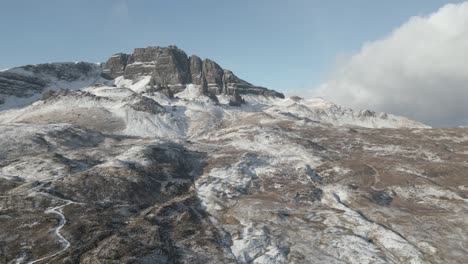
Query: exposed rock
x: 144, y: 104
x: 27, y: 80
x: 22, y: 85
x: 213, y: 74
x: 48, y: 95
x: 312, y: 174
x: 69, y: 71
x: 382, y: 198
x: 196, y: 70
x: 213, y: 98
x: 166, y: 66
x: 166, y: 90
x: 115, y: 65
x: 232, y: 83
x: 55, y: 95
x: 296, y: 98
x: 236, y: 99
x: 170, y: 67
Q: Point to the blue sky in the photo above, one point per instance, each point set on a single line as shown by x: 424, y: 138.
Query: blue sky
x: 285, y: 45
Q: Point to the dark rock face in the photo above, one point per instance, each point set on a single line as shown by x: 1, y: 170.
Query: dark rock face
x: 382, y: 198
x: 231, y: 82
x: 20, y: 85
x: 236, y: 99
x: 171, y: 69
x: 196, y: 68
x: 144, y: 104
x: 115, y: 66
x: 165, y: 65
x: 214, y: 76
x: 312, y: 174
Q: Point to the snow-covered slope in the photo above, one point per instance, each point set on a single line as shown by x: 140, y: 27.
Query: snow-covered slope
x: 166, y: 75
x: 318, y: 109
x: 142, y: 112
x: 106, y: 109
x: 190, y: 180
x: 128, y: 170
x: 21, y: 86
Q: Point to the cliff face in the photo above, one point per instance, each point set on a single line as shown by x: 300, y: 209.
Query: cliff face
x: 170, y: 66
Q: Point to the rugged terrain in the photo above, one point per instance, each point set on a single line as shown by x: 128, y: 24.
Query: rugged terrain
x: 157, y: 157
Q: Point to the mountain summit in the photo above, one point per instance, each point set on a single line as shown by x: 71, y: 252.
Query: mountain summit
x: 171, y: 70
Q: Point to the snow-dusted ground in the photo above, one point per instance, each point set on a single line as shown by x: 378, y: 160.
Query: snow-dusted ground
x: 283, y: 180
x: 52, y: 81
x: 62, y: 221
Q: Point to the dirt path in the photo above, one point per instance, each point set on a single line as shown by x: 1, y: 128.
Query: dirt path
x: 65, y: 243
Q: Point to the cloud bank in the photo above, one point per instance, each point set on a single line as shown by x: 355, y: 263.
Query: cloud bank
x: 420, y: 70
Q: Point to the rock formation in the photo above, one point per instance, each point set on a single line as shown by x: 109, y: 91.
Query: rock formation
x: 171, y: 67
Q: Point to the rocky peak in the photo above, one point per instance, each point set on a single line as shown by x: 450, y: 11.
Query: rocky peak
x: 115, y: 65
x: 171, y: 69
x: 165, y: 65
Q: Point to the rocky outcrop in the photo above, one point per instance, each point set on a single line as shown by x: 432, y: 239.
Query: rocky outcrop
x: 115, y: 66
x: 213, y: 74
x: 233, y: 83
x: 236, y: 99
x: 171, y: 69
x: 196, y: 70
x: 165, y: 65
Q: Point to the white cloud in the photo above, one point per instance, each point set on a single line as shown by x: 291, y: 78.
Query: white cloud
x: 420, y: 70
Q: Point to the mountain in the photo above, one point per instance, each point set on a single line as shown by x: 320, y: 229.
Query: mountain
x: 170, y: 72
x: 157, y: 157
